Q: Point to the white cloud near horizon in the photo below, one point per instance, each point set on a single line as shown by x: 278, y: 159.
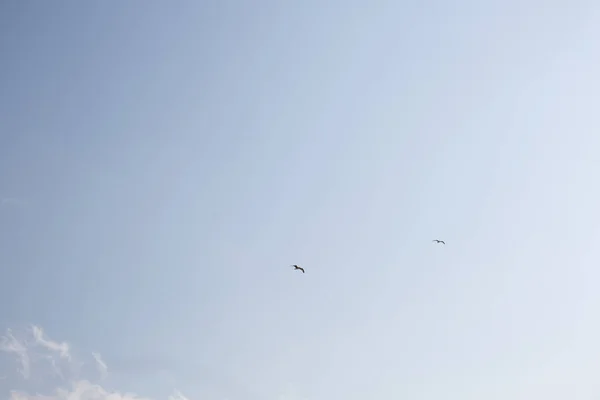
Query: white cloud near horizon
x: 79, y: 390
x: 67, y: 384
x: 177, y: 395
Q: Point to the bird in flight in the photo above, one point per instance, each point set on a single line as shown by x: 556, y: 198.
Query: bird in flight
x: 438, y: 241
x: 297, y: 267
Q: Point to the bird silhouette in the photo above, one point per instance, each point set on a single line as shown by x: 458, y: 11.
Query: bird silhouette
x: 298, y: 268
x: 438, y: 241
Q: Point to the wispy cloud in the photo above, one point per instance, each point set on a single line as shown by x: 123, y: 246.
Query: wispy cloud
x: 34, y: 346
x: 10, y: 344
x: 55, y: 367
x: 42, y: 340
x: 80, y: 390
x: 177, y: 395
x: 100, y: 364
x: 85, y: 390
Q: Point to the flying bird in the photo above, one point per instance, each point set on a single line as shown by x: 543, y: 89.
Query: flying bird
x: 297, y: 267
x: 438, y: 241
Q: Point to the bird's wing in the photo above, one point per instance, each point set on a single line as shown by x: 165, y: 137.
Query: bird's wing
x: 301, y: 269
x: 441, y: 241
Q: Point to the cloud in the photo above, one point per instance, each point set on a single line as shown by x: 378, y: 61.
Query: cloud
x: 34, y: 346
x: 85, y: 390
x: 100, y: 364
x: 55, y: 367
x: 10, y: 344
x: 61, y: 348
x: 80, y: 390
x: 177, y: 396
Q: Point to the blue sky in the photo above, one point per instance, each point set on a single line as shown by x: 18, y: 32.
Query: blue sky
x: 162, y: 165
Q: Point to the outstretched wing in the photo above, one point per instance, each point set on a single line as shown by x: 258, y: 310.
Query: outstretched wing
x: 301, y: 269
x: 441, y: 241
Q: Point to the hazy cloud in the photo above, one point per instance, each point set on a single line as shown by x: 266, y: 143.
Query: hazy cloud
x: 100, y: 364
x: 85, y: 390
x: 36, y: 349
x: 10, y: 344
x: 177, y: 396
x: 80, y: 390
x: 40, y: 339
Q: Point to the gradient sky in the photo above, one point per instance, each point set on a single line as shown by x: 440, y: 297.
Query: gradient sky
x: 163, y: 163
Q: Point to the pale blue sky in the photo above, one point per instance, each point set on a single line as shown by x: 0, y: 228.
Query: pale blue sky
x: 172, y: 159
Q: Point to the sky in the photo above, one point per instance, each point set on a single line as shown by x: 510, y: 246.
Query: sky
x: 163, y: 164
